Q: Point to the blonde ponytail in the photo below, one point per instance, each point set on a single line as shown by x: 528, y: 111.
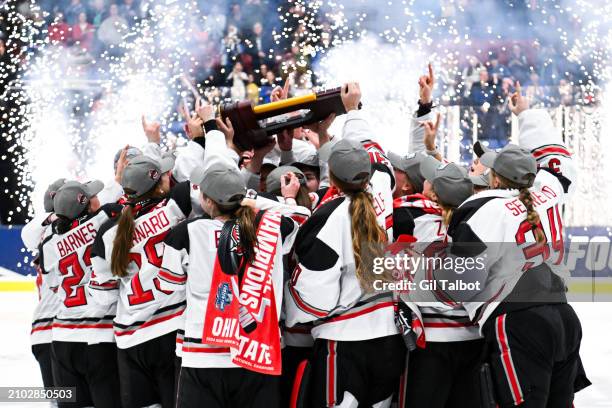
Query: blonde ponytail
x: 368, y: 237
x: 532, y: 216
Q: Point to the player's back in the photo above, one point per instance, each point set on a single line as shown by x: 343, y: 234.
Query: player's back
x: 144, y: 310
x: 68, y: 256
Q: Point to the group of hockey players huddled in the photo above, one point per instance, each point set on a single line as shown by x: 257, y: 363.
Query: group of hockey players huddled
x: 220, y: 278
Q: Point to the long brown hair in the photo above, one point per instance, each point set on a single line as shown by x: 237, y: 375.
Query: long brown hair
x: 525, y: 197
x: 368, y: 237
x: 124, y: 237
x: 245, y: 217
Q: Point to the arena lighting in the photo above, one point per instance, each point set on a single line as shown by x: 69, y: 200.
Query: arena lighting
x: 254, y: 125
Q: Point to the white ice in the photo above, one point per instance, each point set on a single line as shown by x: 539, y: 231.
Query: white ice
x: 19, y: 368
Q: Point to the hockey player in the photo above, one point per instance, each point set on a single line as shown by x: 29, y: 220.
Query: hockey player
x: 276, y: 177
x: 441, y: 373
x: 83, y: 350
x: 231, y: 349
x: 358, y: 355
x: 126, y: 257
x: 532, y: 334
x: 48, y: 302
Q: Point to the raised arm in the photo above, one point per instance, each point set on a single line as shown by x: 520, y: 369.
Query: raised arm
x: 538, y: 134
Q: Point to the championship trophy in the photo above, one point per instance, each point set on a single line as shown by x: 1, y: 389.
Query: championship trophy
x: 254, y: 125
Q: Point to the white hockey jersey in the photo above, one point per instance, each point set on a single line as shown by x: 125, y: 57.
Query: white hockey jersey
x: 144, y: 310
x: 323, y: 288
x: 68, y: 257
x: 48, y: 303
x: 441, y: 322
x: 188, y: 265
x: 509, y: 243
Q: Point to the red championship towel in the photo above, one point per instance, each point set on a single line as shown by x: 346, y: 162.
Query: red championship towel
x: 243, y: 316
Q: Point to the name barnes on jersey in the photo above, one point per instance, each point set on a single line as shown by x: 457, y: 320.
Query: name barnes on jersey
x: 77, y: 238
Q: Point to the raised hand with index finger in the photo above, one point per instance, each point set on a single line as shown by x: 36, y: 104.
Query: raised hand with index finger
x: 426, y: 84
x: 517, y: 103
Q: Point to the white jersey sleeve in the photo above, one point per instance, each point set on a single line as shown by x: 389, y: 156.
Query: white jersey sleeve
x: 188, y: 158
x: 32, y: 233
x: 538, y: 134
x: 103, y: 287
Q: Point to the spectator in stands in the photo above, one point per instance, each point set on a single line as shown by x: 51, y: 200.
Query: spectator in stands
x: 495, y: 67
x: 72, y: 12
x: 261, y: 75
x: 83, y: 33
x: 253, y: 12
x: 60, y: 33
x: 471, y: 73
x: 129, y: 11
x: 237, y: 78
x: 252, y: 90
x: 258, y: 46
x: 550, y: 65
x: 267, y: 85
x: 98, y: 12
x: 232, y: 46
x: 235, y: 17
x: 113, y: 28
x: 486, y: 96
x: 538, y: 94
x: 519, y: 67
x: 481, y: 93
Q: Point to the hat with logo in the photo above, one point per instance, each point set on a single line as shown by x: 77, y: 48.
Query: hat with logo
x: 450, y: 182
x: 143, y: 172
x: 220, y: 182
x: 72, y: 198
x: 348, y: 161
x: 273, y: 181
x: 513, y: 163
x: 50, y: 193
x: 409, y: 164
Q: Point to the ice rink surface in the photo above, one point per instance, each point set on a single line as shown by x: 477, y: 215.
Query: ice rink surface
x: 19, y: 368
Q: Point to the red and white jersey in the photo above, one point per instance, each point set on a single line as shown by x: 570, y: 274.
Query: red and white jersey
x: 188, y: 264
x: 323, y: 287
x: 538, y: 134
x: 427, y: 216
x: 48, y: 302
x: 509, y: 242
x: 144, y: 310
x: 68, y: 257
x: 441, y: 323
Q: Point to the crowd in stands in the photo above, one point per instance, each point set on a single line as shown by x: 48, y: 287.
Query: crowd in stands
x: 244, y: 48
